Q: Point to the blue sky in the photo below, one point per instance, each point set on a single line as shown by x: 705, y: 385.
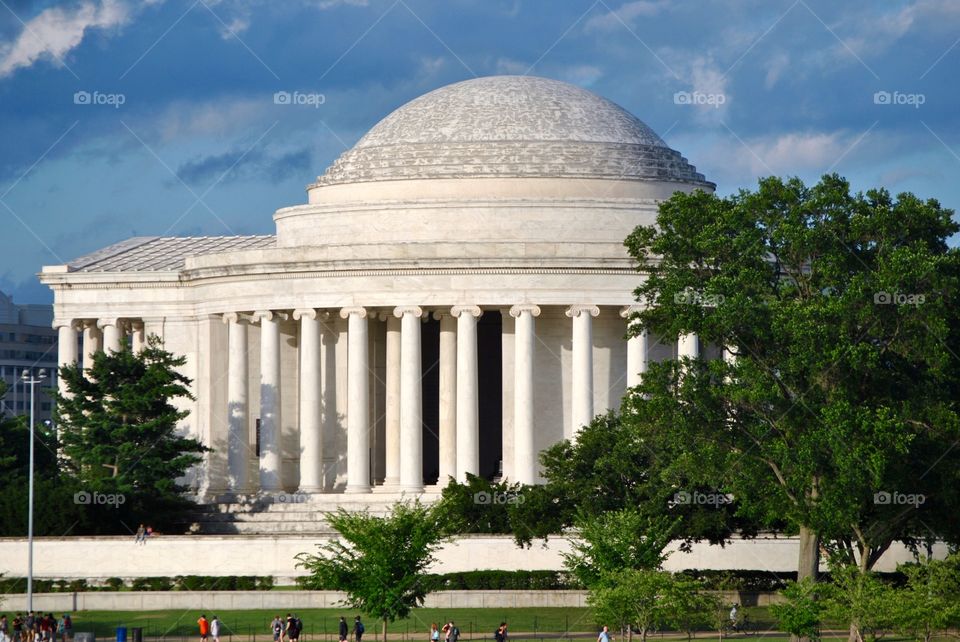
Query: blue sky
x: 178, y: 132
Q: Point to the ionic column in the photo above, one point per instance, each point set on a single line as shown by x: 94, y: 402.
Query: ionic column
x: 637, y: 350
x: 111, y: 329
x: 138, y: 339
x: 92, y: 338
x: 468, y: 390
x: 238, y: 417
x: 392, y: 403
x: 524, y: 450
x: 449, y: 458
x: 270, y: 396
x: 311, y: 419
x: 411, y: 400
x: 66, y: 349
x: 581, y: 386
x: 688, y: 345
x: 358, y: 401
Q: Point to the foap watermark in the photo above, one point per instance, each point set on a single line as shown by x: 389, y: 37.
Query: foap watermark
x: 85, y: 498
x: 898, y: 98
x: 485, y: 498
x: 98, y: 98
x: 289, y: 498
x: 699, y: 98
x: 697, y: 498
x: 692, y: 297
x: 299, y: 98
x: 896, y: 498
x: 898, y: 298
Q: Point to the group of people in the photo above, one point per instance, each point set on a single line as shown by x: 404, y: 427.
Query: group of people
x: 36, y: 627
x: 286, y: 629
x: 142, y: 534
x: 210, y: 628
x: 358, y: 629
x: 449, y: 630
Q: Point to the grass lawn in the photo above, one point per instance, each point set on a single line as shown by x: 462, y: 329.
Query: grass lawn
x: 320, y: 625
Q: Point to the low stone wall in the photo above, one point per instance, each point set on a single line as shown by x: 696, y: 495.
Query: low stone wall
x: 292, y: 600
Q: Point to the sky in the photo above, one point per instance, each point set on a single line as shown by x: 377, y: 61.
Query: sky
x: 123, y: 118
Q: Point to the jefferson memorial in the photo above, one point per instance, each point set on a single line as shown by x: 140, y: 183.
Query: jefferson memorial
x: 452, y: 298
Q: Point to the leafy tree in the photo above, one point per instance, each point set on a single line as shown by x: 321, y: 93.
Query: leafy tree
x: 863, y: 600
x: 479, y: 505
x: 929, y: 604
x: 841, y: 313
x: 609, y: 467
x: 622, y: 539
x: 634, y: 598
x: 379, y: 562
x: 801, y: 614
x: 119, y: 427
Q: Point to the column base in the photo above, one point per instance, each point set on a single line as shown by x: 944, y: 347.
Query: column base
x: 311, y: 490
x: 356, y: 490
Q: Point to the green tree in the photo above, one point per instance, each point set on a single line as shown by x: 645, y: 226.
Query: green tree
x: 634, y: 598
x: 617, y: 540
x: 479, y: 505
x: 841, y: 313
x: 862, y: 599
x: 609, y: 467
x: 929, y: 604
x: 118, y: 422
x: 379, y: 562
x: 801, y: 614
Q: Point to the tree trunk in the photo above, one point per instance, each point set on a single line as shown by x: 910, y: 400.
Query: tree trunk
x: 854, y: 635
x: 808, y: 563
x: 643, y: 633
x: 384, y: 629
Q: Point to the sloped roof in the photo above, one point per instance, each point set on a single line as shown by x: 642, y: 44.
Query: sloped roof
x: 163, y: 253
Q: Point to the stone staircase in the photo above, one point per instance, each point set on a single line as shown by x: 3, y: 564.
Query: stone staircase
x: 286, y: 513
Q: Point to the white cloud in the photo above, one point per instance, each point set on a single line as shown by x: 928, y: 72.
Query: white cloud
x: 54, y: 32
x: 775, y: 65
x: 625, y: 14
x: 237, y: 25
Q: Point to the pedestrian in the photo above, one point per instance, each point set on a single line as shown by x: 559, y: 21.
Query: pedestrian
x: 67, y: 628
x: 454, y: 634
x: 296, y: 625
x: 604, y: 634
x: 215, y: 629
x: 501, y: 633
x: 204, y: 627
x: 141, y: 537
x: 277, y: 628
x: 28, y: 627
x: 4, y: 628
x: 343, y: 629
x: 17, y: 628
x: 358, y: 629
x: 434, y: 632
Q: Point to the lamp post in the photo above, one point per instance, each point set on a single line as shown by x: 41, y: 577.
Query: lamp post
x: 27, y: 377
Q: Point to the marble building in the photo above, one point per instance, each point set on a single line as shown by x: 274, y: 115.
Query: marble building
x: 451, y: 299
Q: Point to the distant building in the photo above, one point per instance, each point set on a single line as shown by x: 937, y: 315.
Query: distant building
x: 27, y: 342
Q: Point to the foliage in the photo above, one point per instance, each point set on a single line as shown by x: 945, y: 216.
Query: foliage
x: 379, y: 562
x: 621, y: 539
x: 609, y: 467
x: 119, y: 426
x: 802, y: 613
x: 480, y: 505
x: 632, y: 598
x: 841, y: 311
x: 929, y: 604
x: 863, y: 600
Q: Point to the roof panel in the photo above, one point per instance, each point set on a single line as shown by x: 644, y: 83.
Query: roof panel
x: 163, y: 253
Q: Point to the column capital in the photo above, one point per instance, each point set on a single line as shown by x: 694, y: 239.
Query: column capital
x: 520, y: 308
x: 472, y: 310
x: 234, y: 317
x: 355, y: 309
x: 269, y: 315
x: 402, y: 310
x: 103, y: 322
x: 629, y: 310
x: 440, y: 314
x: 73, y: 324
x: 578, y: 309
x: 309, y: 313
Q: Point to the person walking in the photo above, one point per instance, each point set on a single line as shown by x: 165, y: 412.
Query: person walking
x: 215, y: 629
x: 434, y: 632
x: 276, y: 627
x: 296, y: 626
x: 604, y: 634
x: 358, y: 629
x: 204, y: 627
x: 67, y: 627
x: 343, y: 629
x: 454, y: 633
x: 501, y: 634
x: 4, y: 628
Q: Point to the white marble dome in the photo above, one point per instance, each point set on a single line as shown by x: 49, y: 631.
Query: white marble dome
x: 510, y: 126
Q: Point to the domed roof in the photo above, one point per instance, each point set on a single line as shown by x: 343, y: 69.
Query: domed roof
x: 510, y: 126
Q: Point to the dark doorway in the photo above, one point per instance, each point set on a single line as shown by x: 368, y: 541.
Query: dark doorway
x: 430, y: 364
x: 490, y: 371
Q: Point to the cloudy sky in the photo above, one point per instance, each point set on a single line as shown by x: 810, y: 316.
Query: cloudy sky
x: 158, y: 117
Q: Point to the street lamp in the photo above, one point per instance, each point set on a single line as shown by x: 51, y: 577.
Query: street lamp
x: 26, y: 377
